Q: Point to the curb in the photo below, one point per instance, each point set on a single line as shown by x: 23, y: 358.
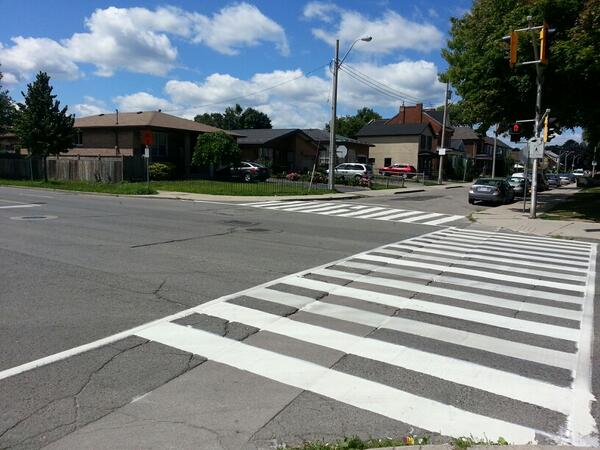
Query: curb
x: 410, y: 191
x: 246, y: 198
x: 487, y: 447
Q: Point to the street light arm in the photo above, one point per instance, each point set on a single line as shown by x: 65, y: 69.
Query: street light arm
x: 364, y: 39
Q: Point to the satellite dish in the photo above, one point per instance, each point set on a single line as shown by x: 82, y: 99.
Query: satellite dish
x: 341, y: 151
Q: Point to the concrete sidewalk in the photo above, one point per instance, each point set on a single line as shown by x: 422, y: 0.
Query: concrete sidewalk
x: 337, y: 196
x: 511, y: 217
x: 489, y: 447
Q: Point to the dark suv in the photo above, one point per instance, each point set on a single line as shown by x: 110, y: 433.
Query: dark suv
x: 246, y: 171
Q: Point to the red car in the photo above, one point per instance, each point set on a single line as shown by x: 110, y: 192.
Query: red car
x: 399, y: 169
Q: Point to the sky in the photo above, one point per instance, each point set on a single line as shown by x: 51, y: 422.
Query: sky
x: 191, y: 57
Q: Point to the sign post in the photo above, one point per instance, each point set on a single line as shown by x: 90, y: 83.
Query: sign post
x: 147, y: 137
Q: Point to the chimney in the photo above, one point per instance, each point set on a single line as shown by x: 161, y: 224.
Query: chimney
x: 419, y: 112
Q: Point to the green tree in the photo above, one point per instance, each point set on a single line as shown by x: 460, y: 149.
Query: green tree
x: 350, y: 125
x: 7, y: 109
x: 236, y: 118
x: 215, y: 149
x: 457, y: 115
x: 493, y: 93
x: 41, y: 125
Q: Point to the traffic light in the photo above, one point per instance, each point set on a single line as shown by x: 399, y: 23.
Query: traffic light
x: 550, y: 128
x: 515, y: 133
x: 510, y: 52
x: 545, y: 34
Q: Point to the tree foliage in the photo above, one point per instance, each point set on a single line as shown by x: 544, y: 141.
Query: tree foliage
x: 493, y: 93
x: 350, y: 125
x: 7, y: 109
x: 236, y: 118
x: 41, y: 125
x: 215, y: 149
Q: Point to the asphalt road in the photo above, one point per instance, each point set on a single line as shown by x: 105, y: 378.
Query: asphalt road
x: 78, y: 268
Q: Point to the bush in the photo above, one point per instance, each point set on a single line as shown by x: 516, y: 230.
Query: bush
x: 293, y: 176
x: 161, y: 171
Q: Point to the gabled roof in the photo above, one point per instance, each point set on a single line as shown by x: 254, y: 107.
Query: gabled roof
x: 142, y: 119
x: 464, y: 133
x: 261, y: 136
x: 319, y: 135
x: 438, y: 116
x: 499, y: 144
x: 381, y: 128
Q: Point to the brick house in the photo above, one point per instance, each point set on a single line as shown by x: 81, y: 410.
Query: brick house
x: 479, y: 148
x: 122, y: 134
x: 416, y: 114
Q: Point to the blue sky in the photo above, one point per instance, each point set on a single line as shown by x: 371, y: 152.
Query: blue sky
x: 189, y: 57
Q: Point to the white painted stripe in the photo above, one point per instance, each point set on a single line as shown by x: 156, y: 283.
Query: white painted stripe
x: 446, y: 368
x: 440, y: 309
x: 465, y: 296
x: 362, y: 211
x: 503, y: 243
x: 527, y: 238
x: 380, y: 213
x: 443, y: 220
x: 503, y: 277
x: 314, y: 209
x: 479, y: 264
x: 263, y: 203
x: 580, y: 423
x: 352, y: 390
x: 402, y: 214
x: 303, y: 205
x: 533, y: 249
x: 518, y: 258
x: 493, y: 287
x: 489, y: 344
x: 333, y: 211
x: 525, y: 252
x: 464, y: 254
x: 439, y: 332
x: 426, y: 216
x: 18, y: 206
x: 284, y: 204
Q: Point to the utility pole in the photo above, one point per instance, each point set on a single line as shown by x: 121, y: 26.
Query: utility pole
x: 594, y: 162
x: 330, y: 179
x: 538, y: 115
x: 442, y: 144
x: 494, y: 155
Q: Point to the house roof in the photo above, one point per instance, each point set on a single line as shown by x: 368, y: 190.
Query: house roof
x: 141, y: 119
x: 261, y: 136
x: 438, y: 116
x: 499, y: 144
x: 319, y: 135
x: 464, y: 133
x: 381, y: 128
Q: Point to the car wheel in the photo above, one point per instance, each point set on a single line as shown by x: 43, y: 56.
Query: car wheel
x: 247, y: 177
x: 357, y: 177
x: 471, y: 201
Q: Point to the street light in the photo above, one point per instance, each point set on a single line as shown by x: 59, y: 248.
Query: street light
x: 336, y: 65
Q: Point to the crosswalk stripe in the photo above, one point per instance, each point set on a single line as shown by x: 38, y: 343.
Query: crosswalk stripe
x: 515, y: 255
x: 494, y: 268
x: 359, y: 211
x: 463, y: 372
x: 465, y: 254
x: 465, y: 296
x: 502, y: 277
x: 446, y: 334
x: 443, y: 220
x: 441, y: 309
x: 29, y: 205
x: 527, y: 238
x: 533, y: 250
x: 493, y: 287
x: 423, y: 217
x: 503, y: 243
x: 349, y: 389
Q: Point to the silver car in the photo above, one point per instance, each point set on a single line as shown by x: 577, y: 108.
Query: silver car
x: 353, y: 170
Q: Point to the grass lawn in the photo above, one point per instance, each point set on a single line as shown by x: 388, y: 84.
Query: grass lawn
x: 83, y: 186
x: 227, y: 188
x: 584, y: 205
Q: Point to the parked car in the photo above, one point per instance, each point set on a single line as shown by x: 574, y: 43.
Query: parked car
x: 399, y: 169
x: 564, y: 179
x: 518, y: 185
x: 353, y: 170
x: 553, y: 180
x: 572, y: 178
x: 246, y: 171
x: 493, y: 190
x: 578, y: 173
x: 542, y: 183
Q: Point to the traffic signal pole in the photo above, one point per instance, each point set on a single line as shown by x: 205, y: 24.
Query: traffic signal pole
x: 538, y: 117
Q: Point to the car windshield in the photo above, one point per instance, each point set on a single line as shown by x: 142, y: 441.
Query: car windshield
x: 516, y: 180
x: 488, y: 182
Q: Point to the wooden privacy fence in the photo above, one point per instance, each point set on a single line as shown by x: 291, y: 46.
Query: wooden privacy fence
x: 68, y: 168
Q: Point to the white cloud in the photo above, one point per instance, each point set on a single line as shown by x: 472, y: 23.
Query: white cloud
x: 139, y: 40
x: 141, y: 101
x: 241, y: 25
x: 9, y: 78
x: 390, y: 31
x: 29, y: 55
x: 90, y: 107
x: 320, y: 10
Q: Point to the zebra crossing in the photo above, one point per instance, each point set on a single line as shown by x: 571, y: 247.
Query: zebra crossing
x: 486, y: 333
x: 338, y: 209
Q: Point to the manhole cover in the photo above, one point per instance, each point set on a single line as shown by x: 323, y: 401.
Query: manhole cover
x: 33, y: 217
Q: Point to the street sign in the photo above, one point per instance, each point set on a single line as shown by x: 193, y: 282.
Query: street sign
x: 593, y: 163
x: 441, y: 151
x: 536, y: 147
x: 147, y: 137
x: 147, y: 152
x: 341, y: 151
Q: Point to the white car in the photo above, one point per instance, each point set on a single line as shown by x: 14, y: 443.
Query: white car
x: 578, y: 172
x: 353, y: 170
x: 564, y: 179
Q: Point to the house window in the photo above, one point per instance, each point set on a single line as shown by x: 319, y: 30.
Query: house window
x: 78, y: 138
x: 428, y: 143
x: 423, y: 145
x: 159, y: 144
x: 387, y: 162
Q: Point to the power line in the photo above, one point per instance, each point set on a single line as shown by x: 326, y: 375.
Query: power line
x: 229, y: 100
x: 375, y: 87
